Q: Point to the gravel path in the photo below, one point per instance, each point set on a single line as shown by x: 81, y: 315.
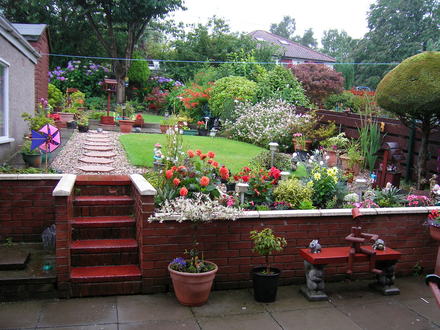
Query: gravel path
x: 67, y: 161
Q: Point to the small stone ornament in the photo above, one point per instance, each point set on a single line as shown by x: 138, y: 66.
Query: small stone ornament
x: 379, y: 244
x: 314, y: 246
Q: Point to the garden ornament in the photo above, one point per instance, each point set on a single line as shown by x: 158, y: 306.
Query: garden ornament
x: 49, y: 237
x: 99, y: 130
x: 379, y: 244
x: 357, y: 237
x: 158, y: 156
x: 314, y: 246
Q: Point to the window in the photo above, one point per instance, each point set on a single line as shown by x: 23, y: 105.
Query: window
x: 4, y: 111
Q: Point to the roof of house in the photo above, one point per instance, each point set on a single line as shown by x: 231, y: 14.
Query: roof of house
x: 291, y: 49
x: 31, y: 32
x: 11, y: 34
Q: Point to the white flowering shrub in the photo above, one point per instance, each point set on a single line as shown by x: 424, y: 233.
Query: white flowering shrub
x: 264, y: 122
x: 200, y: 208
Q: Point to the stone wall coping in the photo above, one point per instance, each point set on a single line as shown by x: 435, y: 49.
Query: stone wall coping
x: 15, y: 177
x: 143, y: 186
x: 65, y: 185
x: 330, y: 212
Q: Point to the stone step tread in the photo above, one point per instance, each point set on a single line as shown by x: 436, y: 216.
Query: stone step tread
x: 98, y: 140
x: 95, y: 168
x: 102, y: 180
x: 105, y: 273
x: 108, y: 154
x: 96, y: 160
x: 97, y: 148
x: 103, y: 200
x: 102, y: 222
x: 104, y: 245
x: 12, y: 258
x: 99, y: 144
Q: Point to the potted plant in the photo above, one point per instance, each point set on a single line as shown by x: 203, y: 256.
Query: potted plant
x: 192, y: 277
x: 300, y: 142
x: 139, y: 120
x: 334, y: 146
x: 68, y: 114
x: 31, y: 158
x: 83, y: 124
x: 352, y: 160
x: 202, y: 128
x: 124, y: 114
x: 434, y: 224
x: 265, y: 279
x: 167, y: 123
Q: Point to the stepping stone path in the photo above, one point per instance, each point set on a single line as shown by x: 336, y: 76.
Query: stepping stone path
x: 100, y: 152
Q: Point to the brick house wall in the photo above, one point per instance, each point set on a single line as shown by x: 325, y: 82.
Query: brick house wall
x: 42, y: 67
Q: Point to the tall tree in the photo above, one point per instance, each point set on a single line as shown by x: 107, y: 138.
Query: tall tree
x: 337, y: 44
x: 307, y: 39
x: 285, y: 28
x: 119, y: 25
x: 397, y: 30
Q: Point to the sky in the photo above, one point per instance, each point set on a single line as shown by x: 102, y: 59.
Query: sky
x: 250, y: 15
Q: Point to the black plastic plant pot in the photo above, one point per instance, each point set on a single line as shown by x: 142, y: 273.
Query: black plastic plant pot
x: 265, y: 285
x: 83, y: 128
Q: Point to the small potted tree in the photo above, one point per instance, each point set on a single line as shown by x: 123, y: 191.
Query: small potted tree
x: 265, y: 279
x: 125, y: 112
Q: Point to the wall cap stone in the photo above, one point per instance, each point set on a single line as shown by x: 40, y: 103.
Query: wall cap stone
x: 65, y: 185
x: 143, y: 186
x: 30, y: 176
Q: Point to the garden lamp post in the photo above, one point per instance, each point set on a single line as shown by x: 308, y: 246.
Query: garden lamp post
x: 206, y: 122
x: 242, y: 188
x: 273, y: 146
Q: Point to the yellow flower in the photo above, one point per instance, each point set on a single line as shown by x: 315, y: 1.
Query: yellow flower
x: 310, y: 184
x: 317, y: 176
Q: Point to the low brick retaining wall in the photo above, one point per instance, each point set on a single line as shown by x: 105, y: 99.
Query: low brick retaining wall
x: 27, y: 206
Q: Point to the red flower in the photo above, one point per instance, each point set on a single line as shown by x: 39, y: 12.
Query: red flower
x: 203, y: 156
x: 169, y: 174
x: 215, y: 164
x: 236, y: 178
x: 198, y: 152
x: 224, y: 172
x: 275, y: 173
x: 176, y: 182
x: 204, y: 181
x: 245, y: 178
x: 246, y: 169
x: 173, y: 168
x: 183, y: 191
x: 181, y: 168
x: 138, y: 116
x: 190, y: 153
x: 211, y: 154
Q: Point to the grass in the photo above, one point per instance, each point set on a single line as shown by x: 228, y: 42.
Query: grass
x: 233, y: 154
x: 149, y: 118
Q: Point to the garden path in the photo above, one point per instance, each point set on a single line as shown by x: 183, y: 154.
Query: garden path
x: 94, y: 153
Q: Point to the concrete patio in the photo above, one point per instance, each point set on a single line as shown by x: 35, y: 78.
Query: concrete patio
x: 352, y: 306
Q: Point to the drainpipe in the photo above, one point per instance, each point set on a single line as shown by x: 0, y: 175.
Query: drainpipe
x: 409, y: 163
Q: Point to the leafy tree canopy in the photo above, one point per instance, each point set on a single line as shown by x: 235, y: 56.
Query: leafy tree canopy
x: 337, y: 44
x: 285, y: 28
x: 307, y: 39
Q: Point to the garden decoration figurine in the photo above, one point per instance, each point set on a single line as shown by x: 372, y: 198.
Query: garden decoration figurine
x: 314, y: 246
x: 379, y: 244
x: 357, y: 237
x: 158, y: 157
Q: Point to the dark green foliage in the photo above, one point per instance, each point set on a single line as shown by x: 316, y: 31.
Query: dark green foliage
x: 139, y: 71
x: 280, y: 160
x: 342, y: 101
x: 285, y: 28
x: 389, y: 197
x: 307, y: 39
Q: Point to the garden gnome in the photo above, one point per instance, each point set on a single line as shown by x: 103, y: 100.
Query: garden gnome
x: 357, y: 238
x: 158, y: 156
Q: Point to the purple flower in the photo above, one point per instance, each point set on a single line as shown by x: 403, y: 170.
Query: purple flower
x: 62, y: 78
x: 179, y: 262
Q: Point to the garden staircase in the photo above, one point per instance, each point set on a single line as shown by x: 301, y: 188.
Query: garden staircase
x: 104, y: 252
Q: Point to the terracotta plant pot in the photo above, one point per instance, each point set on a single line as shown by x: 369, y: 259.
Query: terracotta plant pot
x: 32, y: 160
x: 107, y: 120
x: 138, y: 123
x: 435, y: 232
x: 355, y: 168
x: 126, y: 126
x: 192, y: 289
x: 333, y: 157
x: 164, y: 128
x: 299, y: 147
x: 66, y: 116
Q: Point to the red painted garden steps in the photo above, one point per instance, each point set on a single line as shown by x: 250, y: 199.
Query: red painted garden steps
x: 104, y: 250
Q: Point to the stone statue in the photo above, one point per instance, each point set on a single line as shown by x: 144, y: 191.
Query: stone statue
x: 379, y: 244
x: 314, y: 246
x: 158, y: 156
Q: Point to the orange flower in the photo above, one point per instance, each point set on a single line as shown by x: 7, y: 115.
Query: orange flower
x: 181, y: 168
x: 176, y: 182
x: 204, y: 181
x: 215, y: 164
x: 210, y: 161
x: 169, y: 174
x: 198, y: 152
x: 190, y: 153
x: 203, y: 156
x: 211, y: 154
x: 224, y: 172
x: 183, y: 191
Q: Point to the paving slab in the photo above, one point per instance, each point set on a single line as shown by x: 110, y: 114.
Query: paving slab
x: 105, y: 154
x: 96, y: 160
x: 426, y: 307
x: 229, y: 302
x: 19, y: 314
x: 98, y: 140
x: 259, y: 321
x: 87, y: 327
x: 95, y: 168
x: 150, y: 308
x: 96, y: 148
x: 322, y: 318
x: 12, y: 258
x: 79, y: 312
x: 388, y: 315
x: 189, y: 324
x: 98, y: 135
x: 98, y: 144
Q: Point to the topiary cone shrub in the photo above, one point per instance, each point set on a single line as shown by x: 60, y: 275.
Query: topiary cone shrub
x: 412, y: 92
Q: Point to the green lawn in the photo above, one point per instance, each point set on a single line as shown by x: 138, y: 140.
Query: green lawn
x: 233, y: 154
x: 149, y: 118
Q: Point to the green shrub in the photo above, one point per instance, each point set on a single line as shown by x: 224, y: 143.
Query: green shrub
x: 294, y: 192
x: 37, y: 121
x: 280, y: 160
x: 96, y: 103
x: 55, y: 96
x: 343, y: 101
x: 230, y: 89
x: 139, y: 71
x: 280, y: 83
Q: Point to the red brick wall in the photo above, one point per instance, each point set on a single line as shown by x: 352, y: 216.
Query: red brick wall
x: 42, y: 67
x: 228, y: 245
x: 26, y: 209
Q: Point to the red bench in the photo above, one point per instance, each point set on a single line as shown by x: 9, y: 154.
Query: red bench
x: 314, y: 269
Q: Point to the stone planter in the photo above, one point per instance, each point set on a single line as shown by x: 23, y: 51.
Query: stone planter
x: 138, y: 122
x: 66, y: 116
x: 192, y: 289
